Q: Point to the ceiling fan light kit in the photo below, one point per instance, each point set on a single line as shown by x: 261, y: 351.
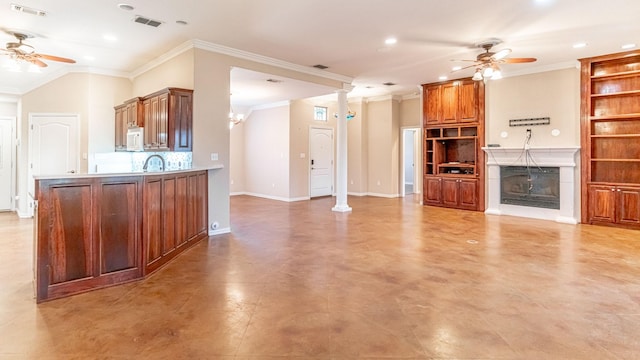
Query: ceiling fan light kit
x: 21, y: 52
x: 487, y: 63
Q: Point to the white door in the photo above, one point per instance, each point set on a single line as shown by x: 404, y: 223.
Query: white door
x: 6, y: 163
x: 321, y: 161
x: 410, y: 158
x: 54, y: 146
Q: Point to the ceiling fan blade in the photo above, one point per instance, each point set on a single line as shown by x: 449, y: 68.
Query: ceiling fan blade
x: 501, y: 54
x: 37, y: 62
x: 464, y: 60
x: 466, y: 67
x: 517, y: 60
x: 54, y: 58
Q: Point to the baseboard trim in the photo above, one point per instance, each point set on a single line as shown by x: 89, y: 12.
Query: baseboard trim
x: 219, y: 231
x: 278, y: 198
x: 384, y: 195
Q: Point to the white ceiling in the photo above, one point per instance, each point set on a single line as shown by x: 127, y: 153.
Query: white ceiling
x: 348, y: 36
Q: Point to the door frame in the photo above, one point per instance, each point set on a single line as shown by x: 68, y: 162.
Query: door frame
x: 30, y: 179
x: 14, y: 164
x: 333, y: 162
x: 417, y: 150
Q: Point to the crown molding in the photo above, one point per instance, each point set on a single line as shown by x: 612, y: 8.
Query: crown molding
x: 225, y: 50
x: 185, y: 46
x: 389, y: 97
x: 544, y: 68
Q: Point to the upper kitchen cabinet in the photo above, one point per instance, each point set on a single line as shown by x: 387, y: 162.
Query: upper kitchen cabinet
x: 130, y: 114
x: 168, y: 116
x: 451, y: 102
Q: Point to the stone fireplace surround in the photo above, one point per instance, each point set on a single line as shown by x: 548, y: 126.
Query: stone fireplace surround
x: 565, y: 158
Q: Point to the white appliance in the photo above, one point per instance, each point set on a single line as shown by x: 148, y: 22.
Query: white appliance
x: 135, y: 139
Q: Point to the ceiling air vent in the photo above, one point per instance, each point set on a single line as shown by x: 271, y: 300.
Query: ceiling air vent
x: 388, y: 84
x: 146, y: 21
x: 320, y: 66
x: 274, y: 80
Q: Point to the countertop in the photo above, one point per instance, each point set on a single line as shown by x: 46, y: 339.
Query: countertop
x: 133, y: 173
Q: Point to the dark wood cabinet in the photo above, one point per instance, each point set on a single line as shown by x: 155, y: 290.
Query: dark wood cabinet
x: 169, y: 119
x: 610, y: 139
x: 451, y: 192
x: 88, y: 234
x: 452, y: 102
x: 94, y: 232
x: 613, y: 205
x: 175, y: 215
x: 453, y: 138
x: 130, y: 114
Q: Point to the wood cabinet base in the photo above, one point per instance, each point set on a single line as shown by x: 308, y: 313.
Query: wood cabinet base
x: 95, y: 232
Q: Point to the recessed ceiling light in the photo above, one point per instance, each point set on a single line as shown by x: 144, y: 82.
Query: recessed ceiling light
x: 628, y: 46
x: 109, y: 37
x: 27, y: 10
x: 181, y: 22
x: 443, y: 77
x: 89, y: 57
x: 126, y: 7
x: 579, y: 45
x: 456, y: 68
x: 391, y: 41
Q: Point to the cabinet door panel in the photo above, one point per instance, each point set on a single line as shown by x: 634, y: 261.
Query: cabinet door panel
x: 601, y: 203
x: 169, y: 216
x: 163, y: 122
x: 180, y: 130
x: 181, y: 209
x: 153, y: 219
x: 450, y: 192
x: 192, y: 206
x: 201, y: 225
x: 628, y: 205
x: 449, y: 103
x: 119, y: 227
x: 468, y: 194
x: 433, y: 190
x: 432, y: 104
x: 121, y: 130
x: 467, y: 104
x: 70, y: 233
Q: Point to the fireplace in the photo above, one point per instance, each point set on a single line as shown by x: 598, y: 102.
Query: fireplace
x: 565, y: 188
x: 530, y: 186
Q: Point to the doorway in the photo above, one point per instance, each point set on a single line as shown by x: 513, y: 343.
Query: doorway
x: 53, y: 146
x: 7, y: 161
x: 410, y: 158
x: 321, y: 161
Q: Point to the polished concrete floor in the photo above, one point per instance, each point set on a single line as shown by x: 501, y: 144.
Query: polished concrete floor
x: 391, y: 280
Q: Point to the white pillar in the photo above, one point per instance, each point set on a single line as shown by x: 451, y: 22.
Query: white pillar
x: 341, y: 156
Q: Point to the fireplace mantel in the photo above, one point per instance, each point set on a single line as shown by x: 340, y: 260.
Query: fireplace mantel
x: 565, y: 158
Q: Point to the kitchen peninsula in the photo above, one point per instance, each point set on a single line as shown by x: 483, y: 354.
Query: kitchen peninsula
x: 97, y: 230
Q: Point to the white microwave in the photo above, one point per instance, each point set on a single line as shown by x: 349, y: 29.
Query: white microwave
x: 135, y: 139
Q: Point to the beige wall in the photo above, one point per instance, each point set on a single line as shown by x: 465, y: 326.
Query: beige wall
x: 267, y: 145
x: 384, y: 141
x: 555, y: 94
x: 176, y: 72
x: 357, y: 149
x: 104, y: 93
x: 410, y: 110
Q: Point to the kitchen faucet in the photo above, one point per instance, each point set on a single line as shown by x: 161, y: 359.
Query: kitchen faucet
x: 146, y: 162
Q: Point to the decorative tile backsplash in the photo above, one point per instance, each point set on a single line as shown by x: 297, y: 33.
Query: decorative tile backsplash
x: 173, y: 160
x: 134, y: 161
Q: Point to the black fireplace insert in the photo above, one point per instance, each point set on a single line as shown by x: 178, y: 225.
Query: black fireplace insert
x: 530, y: 186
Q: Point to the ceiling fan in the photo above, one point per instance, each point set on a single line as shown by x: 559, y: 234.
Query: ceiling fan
x: 25, y: 52
x: 487, y: 63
